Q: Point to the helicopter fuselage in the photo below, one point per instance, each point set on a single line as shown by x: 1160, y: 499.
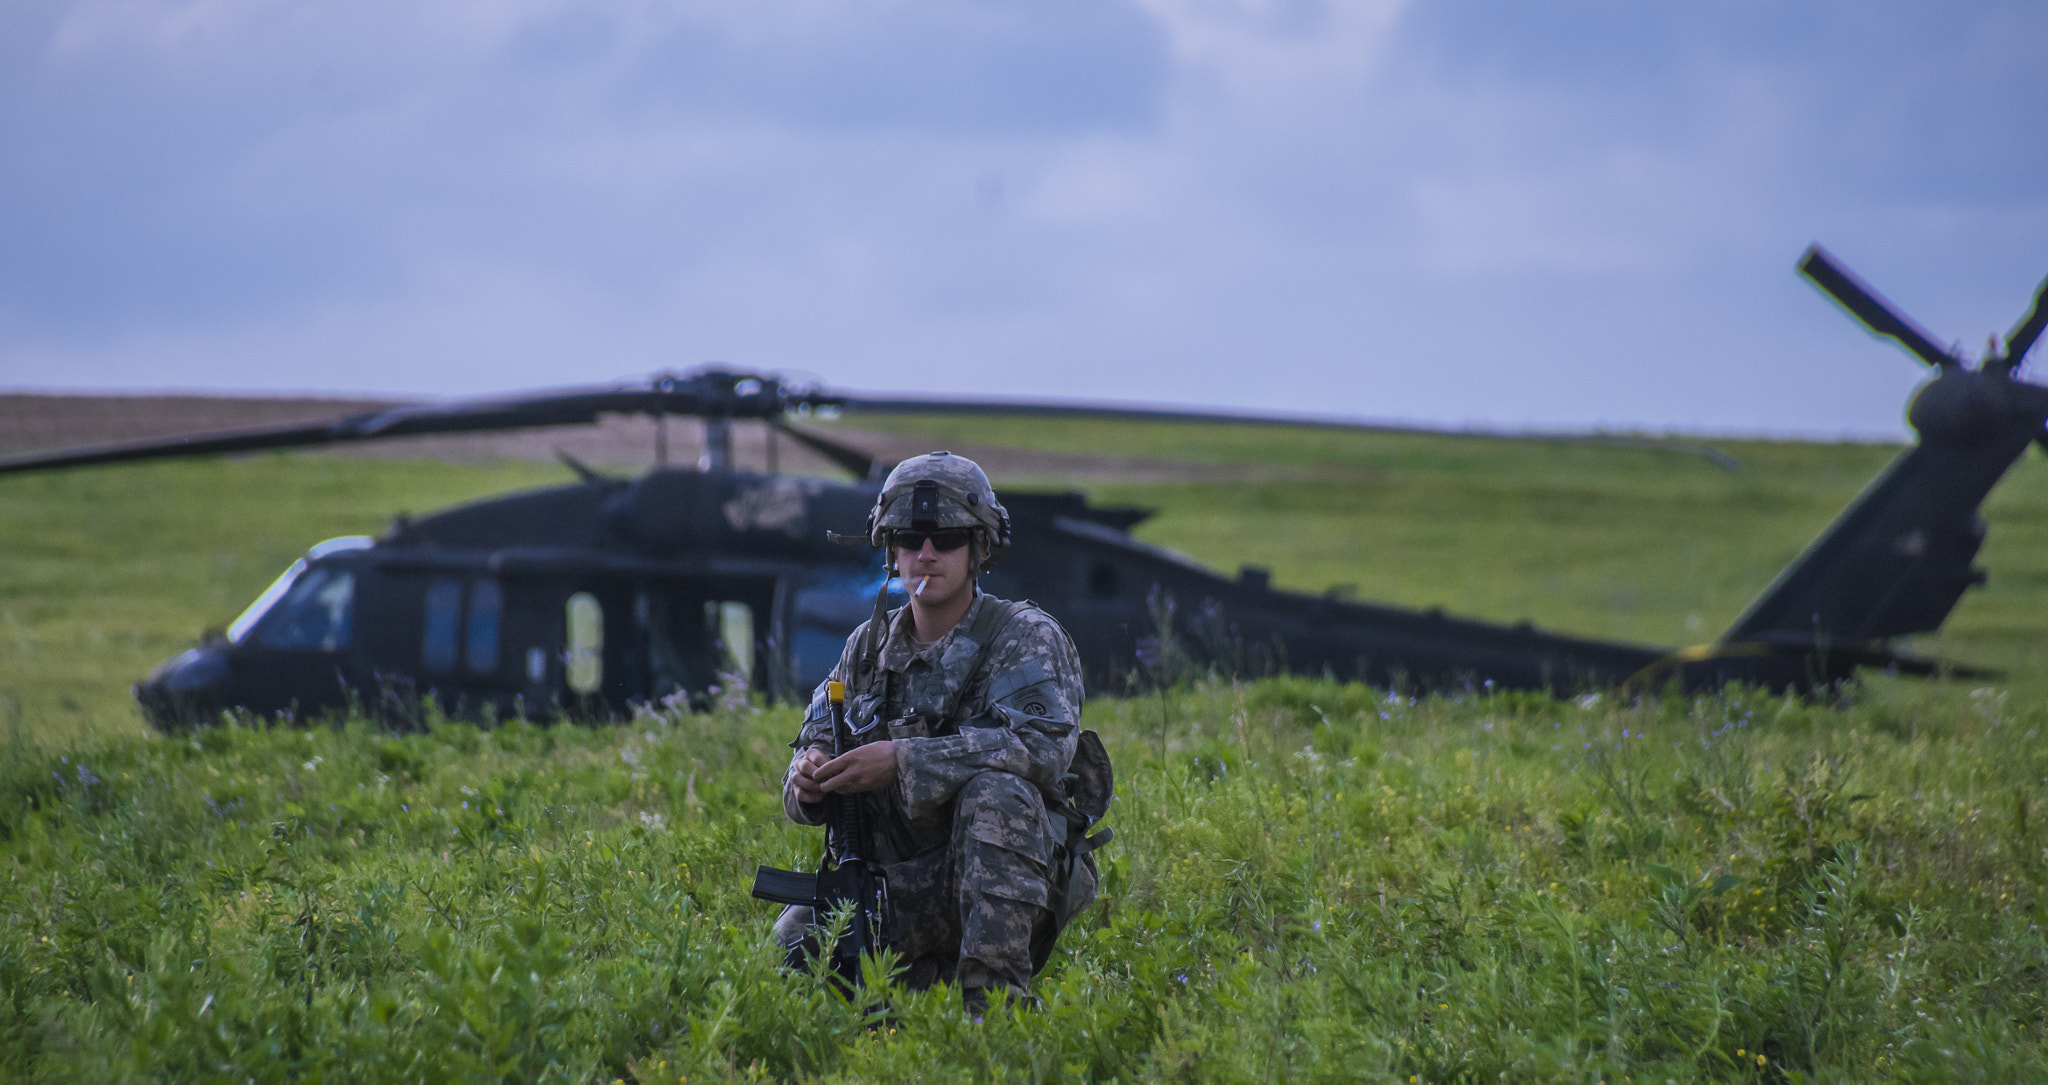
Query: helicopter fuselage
x: 605, y: 594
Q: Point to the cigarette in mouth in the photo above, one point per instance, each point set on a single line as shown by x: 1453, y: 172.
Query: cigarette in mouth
x: 920, y: 587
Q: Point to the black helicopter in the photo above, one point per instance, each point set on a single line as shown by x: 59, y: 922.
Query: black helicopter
x: 607, y: 593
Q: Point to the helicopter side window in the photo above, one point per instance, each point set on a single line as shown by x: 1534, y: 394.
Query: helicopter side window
x: 314, y: 614
x: 732, y: 623
x: 480, y: 643
x: 586, y: 643
x: 444, y: 614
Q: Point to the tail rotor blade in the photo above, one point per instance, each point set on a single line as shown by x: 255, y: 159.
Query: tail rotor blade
x: 2021, y: 338
x: 1867, y: 306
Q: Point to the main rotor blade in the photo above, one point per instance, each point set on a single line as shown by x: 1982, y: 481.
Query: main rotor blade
x: 854, y: 402
x: 412, y: 420
x: 709, y: 393
x: 858, y: 403
x: 215, y: 442
x: 716, y: 394
x: 1867, y: 306
x: 858, y: 463
x: 2021, y: 338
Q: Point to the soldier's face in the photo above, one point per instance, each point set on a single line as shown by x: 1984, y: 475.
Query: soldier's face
x: 943, y: 573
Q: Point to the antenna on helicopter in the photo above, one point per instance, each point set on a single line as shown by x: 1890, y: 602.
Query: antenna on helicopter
x: 664, y: 386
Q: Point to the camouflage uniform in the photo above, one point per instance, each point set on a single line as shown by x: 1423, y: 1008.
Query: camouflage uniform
x: 973, y: 859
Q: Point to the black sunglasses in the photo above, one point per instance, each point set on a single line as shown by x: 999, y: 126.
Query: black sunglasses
x: 942, y: 541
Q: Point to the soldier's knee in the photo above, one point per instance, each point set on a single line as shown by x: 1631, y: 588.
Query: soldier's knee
x: 1001, y: 840
x: 999, y: 808
x: 1001, y: 790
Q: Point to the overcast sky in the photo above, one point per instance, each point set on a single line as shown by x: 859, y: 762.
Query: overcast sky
x: 1514, y: 213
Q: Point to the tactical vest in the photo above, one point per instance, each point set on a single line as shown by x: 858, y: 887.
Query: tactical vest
x: 874, y: 688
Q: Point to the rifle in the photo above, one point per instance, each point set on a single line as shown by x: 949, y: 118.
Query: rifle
x: 845, y: 877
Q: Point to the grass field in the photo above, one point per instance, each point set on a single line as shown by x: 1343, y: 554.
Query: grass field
x: 1310, y: 881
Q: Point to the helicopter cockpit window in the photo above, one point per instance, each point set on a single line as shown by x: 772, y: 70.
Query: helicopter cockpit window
x: 586, y: 643
x: 480, y: 644
x: 313, y: 614
x: 444, y: 613
x: 241, y: 626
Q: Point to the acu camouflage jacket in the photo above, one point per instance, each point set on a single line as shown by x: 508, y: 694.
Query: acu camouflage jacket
x: 1018, y: 712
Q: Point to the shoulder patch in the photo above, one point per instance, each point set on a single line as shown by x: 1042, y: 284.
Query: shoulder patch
x: 1019, y: 676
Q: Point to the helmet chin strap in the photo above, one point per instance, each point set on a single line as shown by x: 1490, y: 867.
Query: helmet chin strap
x: 870, y: 654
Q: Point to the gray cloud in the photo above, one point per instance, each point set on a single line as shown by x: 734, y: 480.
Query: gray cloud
x: 1558, y: 213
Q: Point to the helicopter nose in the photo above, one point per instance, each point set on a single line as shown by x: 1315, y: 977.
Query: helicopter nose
x: 185, y: 689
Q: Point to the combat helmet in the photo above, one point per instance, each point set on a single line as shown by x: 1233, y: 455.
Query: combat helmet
x: 936, y: 491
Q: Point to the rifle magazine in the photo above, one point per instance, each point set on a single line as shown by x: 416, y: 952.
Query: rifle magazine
x: 785, y: 886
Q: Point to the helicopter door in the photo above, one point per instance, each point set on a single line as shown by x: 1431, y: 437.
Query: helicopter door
x: 695, y: 638
x: 728, y: 649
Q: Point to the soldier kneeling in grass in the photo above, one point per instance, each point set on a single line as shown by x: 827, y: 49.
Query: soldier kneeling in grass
x: 973, y: 781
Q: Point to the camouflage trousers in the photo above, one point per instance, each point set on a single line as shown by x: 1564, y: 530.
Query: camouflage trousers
x: 975, y: 910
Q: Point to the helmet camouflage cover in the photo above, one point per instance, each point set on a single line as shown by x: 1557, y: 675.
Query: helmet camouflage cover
x: 936, y: 491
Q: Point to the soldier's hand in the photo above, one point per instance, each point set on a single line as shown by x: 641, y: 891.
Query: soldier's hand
x: 865, y: 768
x: 805, y: 779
